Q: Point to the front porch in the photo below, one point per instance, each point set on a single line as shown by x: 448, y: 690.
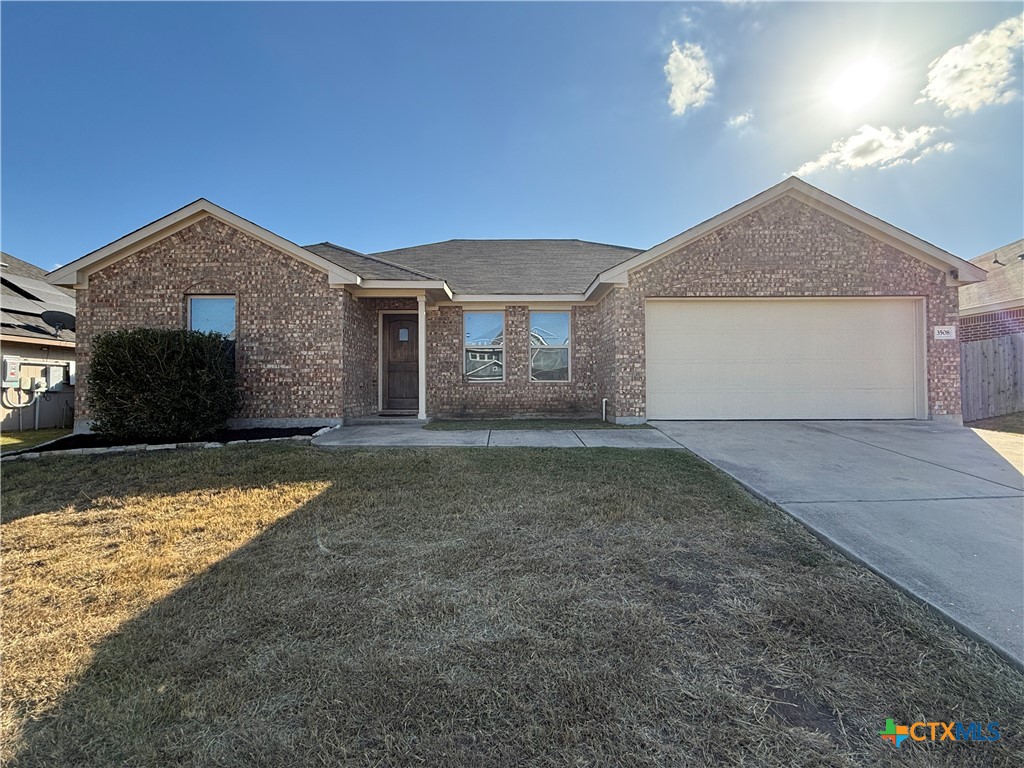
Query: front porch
x: 384, y: 360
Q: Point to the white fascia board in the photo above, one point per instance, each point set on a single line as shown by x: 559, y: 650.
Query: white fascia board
x: 518, y: 298
x: 426, y: 285
x: 801, y: 190
x: 36, y: 341
x: 75, y: 274
x: 998, y: 306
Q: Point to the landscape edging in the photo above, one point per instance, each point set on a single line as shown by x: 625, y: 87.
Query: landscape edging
x: 30, y: 455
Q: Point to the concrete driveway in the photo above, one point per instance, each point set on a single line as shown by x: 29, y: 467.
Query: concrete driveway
x: 931, y: 507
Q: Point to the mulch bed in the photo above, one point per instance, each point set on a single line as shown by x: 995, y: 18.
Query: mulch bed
x: 221, y: 436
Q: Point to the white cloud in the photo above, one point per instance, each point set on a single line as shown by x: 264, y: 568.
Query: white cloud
x: 879, y: 148
x: 979, y: 72
x: 688, y: 72
x: 740, y: 121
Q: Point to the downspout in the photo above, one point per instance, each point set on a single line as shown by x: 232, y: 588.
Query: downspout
x: 604, y: 409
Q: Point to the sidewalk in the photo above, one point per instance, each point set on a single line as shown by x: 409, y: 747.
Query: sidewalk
x: 386, y: 436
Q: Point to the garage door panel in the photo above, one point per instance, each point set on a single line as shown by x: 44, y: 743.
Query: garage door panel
x: 783, y: 358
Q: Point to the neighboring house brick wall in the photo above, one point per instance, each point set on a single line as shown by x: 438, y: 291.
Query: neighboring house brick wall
x: 991, y: 325
x: 786, y: 248
x: 289, y: 345
x: 450, y: 394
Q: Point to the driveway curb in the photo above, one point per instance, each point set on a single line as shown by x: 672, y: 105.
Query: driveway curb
x: 852, y: 556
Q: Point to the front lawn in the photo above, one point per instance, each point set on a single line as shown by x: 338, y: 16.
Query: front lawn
x: 466, y: 424
x: 276, y: 605
x: 1012, y: 423
x: 15, y: 441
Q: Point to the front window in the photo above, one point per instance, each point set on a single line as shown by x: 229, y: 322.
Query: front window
x: 212, y: 314
x: 484, y: 341
x: 550, y: 334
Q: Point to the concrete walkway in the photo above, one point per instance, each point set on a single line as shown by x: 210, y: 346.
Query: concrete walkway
x: 387, y: 436
x: 931, y: 507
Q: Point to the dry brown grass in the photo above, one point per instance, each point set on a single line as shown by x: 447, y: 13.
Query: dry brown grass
x: 276, y: 605
x: 15, y: 441
x: 1012, y: 423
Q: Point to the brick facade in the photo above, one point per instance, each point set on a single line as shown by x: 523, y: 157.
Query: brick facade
x: 786, y: 248
x: 449, y: 393
x: 310, y: 352
x: 362, y: 349
x: 991, y: 325
x: 289, y: 338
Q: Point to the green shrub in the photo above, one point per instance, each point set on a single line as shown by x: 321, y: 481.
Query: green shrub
x: 149, y: 385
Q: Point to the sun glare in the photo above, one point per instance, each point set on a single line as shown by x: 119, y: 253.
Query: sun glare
x: 859, y: 84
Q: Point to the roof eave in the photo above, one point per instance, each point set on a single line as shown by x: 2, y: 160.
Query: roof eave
x: 958, y: 271
x: 76, y: 273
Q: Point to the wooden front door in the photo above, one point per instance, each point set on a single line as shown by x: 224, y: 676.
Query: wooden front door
x: 401, y: 383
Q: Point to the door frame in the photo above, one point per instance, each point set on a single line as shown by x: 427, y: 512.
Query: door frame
x: 381, y: 360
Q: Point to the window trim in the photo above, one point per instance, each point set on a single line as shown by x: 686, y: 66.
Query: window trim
x: 568, y: 346
x: 466, y: 347
x: 188, y: 308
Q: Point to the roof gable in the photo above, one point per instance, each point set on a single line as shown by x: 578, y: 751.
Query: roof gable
x: 958, y: 271
x: 76, y: 273
x: 1004, y: 284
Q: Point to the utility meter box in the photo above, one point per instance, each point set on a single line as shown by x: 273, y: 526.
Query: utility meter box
x: 55, y: 377
x: 11, y: 372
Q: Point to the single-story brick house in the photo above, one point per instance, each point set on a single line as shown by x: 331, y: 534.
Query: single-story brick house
x: 793, y: 304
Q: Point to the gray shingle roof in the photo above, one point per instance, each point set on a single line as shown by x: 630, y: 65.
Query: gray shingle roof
x: 25, y: 295
x: 511, y: 266
x: 368, y: 267
x: 1004, y: 282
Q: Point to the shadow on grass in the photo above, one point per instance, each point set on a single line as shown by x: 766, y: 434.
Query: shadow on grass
x: 452, y: 608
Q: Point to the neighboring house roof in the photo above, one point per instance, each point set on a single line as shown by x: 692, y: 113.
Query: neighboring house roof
x: 513, y: 266
x: 1003, y: 287
x: 24, y: 296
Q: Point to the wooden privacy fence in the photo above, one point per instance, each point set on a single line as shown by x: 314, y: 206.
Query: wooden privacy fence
x: 992, y: 376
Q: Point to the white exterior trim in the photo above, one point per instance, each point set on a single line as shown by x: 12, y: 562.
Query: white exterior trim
x: 36, y: 341
x: 421, y: 339
x: 517, y: 298
x: 998, y: 306
x: 76, y: 274
x: 816, y: 198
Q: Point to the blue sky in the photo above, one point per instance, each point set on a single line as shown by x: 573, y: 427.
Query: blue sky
x: 377, y: 126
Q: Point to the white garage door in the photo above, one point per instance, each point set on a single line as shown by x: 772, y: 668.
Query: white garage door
x: 785, y: 359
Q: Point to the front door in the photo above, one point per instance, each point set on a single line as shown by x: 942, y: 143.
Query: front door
x: 401, y: 363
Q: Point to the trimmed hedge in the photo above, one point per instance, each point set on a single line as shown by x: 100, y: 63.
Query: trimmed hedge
x: 150, y: 385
